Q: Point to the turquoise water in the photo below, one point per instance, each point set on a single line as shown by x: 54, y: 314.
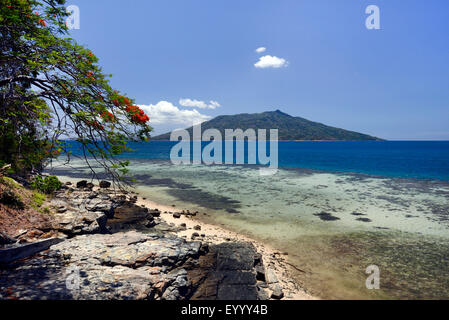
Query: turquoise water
x: 332, y: 223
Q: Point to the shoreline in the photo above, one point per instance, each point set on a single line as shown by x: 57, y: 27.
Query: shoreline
x: 215, y: 234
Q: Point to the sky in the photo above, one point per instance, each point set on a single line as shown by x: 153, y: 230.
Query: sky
x: 188, y: 61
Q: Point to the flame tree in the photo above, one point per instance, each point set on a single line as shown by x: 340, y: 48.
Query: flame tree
x: 52, y: 88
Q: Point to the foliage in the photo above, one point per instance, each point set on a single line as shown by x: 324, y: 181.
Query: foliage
x: 38, y: 199
x: 46, y: 184
x: 52, y: 88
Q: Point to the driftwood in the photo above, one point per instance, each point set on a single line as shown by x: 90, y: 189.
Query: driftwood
x: 4, y: 168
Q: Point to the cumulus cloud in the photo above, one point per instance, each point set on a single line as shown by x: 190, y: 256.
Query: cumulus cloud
x: 164, y: 116
x: 261, y: 50
x: 271, y: 62
x: 199, y: 104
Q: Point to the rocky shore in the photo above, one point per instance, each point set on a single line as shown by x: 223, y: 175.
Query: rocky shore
x: 111, y: 245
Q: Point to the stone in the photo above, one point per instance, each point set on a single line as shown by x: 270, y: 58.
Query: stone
x: 77, y: 223
x: 229, y: 274
x: 155, y: 213
x: 105, y: 184
x: 81, y: 184
x: 195, y: 235
x: 5, y: 239
x: 260, y: 272
x: 62, y: 209
x: 270, y: 276
x: 277, y: 292
x: 197, y: 227
x: 176, y: 215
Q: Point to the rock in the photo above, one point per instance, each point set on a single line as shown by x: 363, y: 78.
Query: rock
x: 74, y: 223
x: 197, y: 227
x: 260, y: 272
x: 90, y: 186
x: 270, y: 276
x: 262, y: 293
x: 128, y: 216
x: 105, y: 184
x: 176, y: 215
x: 124, y: 265
x: 81, y: 184
x: 68, y: 183
x: 228, y: 274
x: 277, y: 292
x: 155, y: 213
x: 62, y: 209
x: 195, y: 235
x: 5, y: 239
x: 93, y: 195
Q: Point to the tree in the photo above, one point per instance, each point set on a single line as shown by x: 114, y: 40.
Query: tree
x: 52, y: 88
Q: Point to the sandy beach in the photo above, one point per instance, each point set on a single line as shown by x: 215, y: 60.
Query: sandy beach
x: 214, y: 234
x: 275, y: 260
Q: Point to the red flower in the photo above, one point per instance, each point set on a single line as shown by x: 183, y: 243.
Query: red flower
x: 108, y: 116
x: 97, y: 125
x: 137, y: 114
x: 126, y: 101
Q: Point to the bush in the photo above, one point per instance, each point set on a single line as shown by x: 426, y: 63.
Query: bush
x: 46, y: 185
x: 10, y: 198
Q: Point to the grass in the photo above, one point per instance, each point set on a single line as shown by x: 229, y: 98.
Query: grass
x: 37, y: 199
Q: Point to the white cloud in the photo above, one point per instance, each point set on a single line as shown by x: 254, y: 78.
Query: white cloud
x: 199, y: 104
x: 261, y: 50
x: 164, y: 116
x: 271, y: 62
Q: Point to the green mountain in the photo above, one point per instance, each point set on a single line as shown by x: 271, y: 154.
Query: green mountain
x: 290, y: 128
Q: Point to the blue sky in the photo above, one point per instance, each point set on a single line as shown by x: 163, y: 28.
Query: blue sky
x: 392, y: 83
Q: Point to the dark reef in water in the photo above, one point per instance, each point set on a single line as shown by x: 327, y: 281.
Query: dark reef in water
x: 325, y: 216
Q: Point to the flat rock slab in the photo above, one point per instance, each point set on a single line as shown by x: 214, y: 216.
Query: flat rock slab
x: 128, y: 265
x: 227, y: 273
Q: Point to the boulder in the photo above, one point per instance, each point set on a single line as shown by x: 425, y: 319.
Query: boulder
x: 74, y: 223
x: 81, y: 184
x: 5, y: 239
x: 195, y: 235
x: 155, y: 213
x: 276, y: 292
x: 105, y: 184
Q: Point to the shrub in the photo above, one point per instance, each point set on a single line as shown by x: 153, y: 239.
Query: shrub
x: 46, y: 185
x: 10, y: 198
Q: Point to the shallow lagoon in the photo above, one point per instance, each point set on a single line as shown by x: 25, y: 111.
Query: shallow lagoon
x: 332, y: 225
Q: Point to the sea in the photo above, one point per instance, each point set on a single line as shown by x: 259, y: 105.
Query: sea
x: 335, y: 208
